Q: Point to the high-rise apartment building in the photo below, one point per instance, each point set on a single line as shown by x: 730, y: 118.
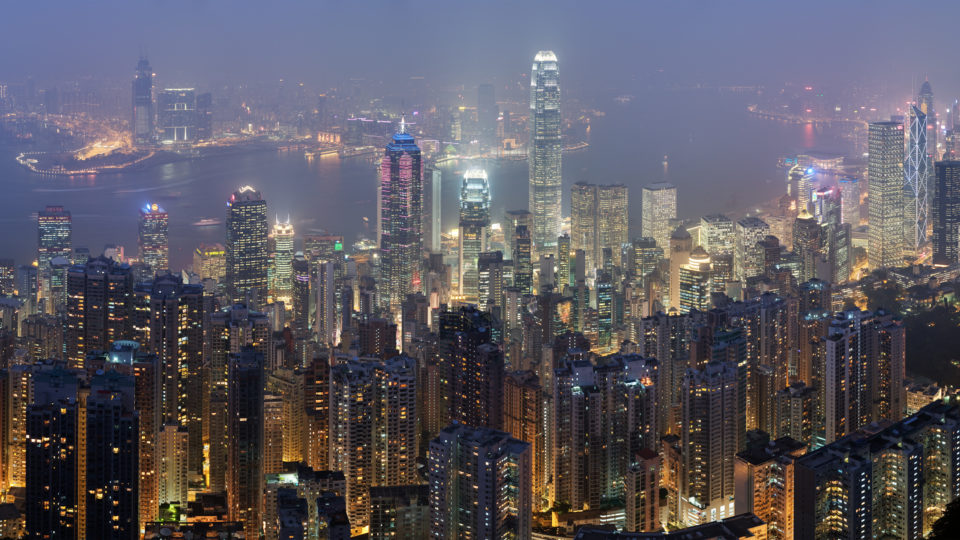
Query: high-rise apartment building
x: 545, y: 149
x: 99, y: 307
x: 373, y: 427
x: 523, y: 412
x: 886, y: 181
x: 246, y: 247
x: 153, y: 238
x: 659, y: 209
x: 764, y: 483
x: 474, y: 228
x: 479, y: 484
x: 401, y: 219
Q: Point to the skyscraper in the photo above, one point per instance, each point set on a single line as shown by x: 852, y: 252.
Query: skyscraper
x: 917, y: 173
x: 545, y: 149
x: 747, y: 259
x: 401, y: 220
x: 479, y: 484
x: 885, y: 170
x: 99, y: 307
x: 142, y: 122
x: 54, y: 239
x: 177, y: 120
x: 246, y: 246
x: 764, y: 475
x: 659, y: 207
x: 474, y: 228
x: 432, y: 199
x: 523, y: 412
x: 694, y: 282
x: 598, y: 220
x: 245, y: 434
x: 946, y: 213
x: 153, y: 238
x: 850, y: 200
x: 283, y: 237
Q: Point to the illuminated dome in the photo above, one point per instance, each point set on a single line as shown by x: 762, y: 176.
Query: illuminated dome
x: 545, y: 56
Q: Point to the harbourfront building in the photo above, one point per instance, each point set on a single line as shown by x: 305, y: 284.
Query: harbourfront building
x: 545, y: 149
x: 153, y: 237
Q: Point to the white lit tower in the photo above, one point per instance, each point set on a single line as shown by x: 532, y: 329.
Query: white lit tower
x: 545, y: 148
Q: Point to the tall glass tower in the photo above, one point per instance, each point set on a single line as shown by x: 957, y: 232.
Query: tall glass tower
x: 283, y: 239
x: 474, y: 228
x: 247, y: 246
x: 401, y: 221
x: 54, y: 239
x: 885, y: 173
x: 152, y: 238
x: 545, y: 148
x: 143, y: 103
x: 917, y: 171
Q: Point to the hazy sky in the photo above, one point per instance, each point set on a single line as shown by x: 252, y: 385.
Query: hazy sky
x: 601, y: 44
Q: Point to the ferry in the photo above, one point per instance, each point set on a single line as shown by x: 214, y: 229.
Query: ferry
x: 207, y: 222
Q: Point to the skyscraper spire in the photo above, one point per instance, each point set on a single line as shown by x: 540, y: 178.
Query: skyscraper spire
x: 403, y: 122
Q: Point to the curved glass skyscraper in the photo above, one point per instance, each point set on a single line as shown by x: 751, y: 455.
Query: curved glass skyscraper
x: 545, y: 148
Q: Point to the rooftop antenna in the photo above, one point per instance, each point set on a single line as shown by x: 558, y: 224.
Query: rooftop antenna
x: 403, y: 122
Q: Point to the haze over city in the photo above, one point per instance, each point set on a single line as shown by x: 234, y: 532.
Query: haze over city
x: 611, y: 270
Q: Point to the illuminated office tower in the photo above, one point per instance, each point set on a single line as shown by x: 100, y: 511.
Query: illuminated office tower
x: 283, y: 236
x: 246, y: 247
x: 642, y: 492
x: 946, y: 214
x: 432, y: 199
x: 659, y: 208
x: 764, y: 483
x: 747, y: 259
x: 173, y: 464
x: 327, y: 323
x: 893, y: 482
x: 681, y: 244
x: 545, y: 149
x: 523, y: 408
x: 807, y: 244
x: 522, y: 262
x: 373, y: 427
x: 177, y: 120
x: 99, y: 307
x: 694, y: 282
x: 716, y: 234
x: 496, y: 500
x: 210, y: 262
x: 917, y: 170
x: 598, y: 220
x: 245, y: 434
x: 490, y: 282
x: 153, y: 237
x: 54, y: 239
x: 583, y: 222
x: 647, y: 255
x: 401, y: 219
x: 474, y: 228
x: 925, y: 105
x: 850, y: 200
x: 300, y: 296
x: 602, y: 415
x: 885, y: 170
x: 142, y: 122
x: 709, y: 440
x: 111, y: 433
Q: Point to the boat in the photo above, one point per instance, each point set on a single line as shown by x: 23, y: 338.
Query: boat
x: 207, y: 222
